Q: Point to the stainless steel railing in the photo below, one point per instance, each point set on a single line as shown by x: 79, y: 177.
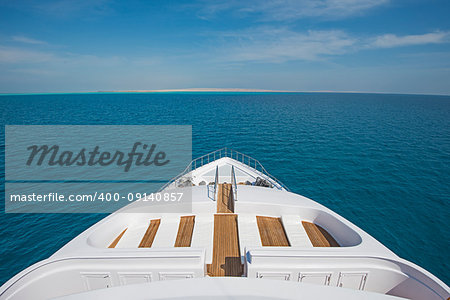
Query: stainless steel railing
x: 226, y: 152
x: 233, y: 183
x: 216, y: 182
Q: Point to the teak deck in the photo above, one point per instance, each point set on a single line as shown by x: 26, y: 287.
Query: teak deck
x: 150, y: 234
x: 185, y: 230
x: 272, y: 232
x: 117, y: 239
x: 225, y: 203
x: 226, y: 255
x: 318, y: 236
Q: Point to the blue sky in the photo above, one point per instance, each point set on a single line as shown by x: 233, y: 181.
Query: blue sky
x: 393, y: 46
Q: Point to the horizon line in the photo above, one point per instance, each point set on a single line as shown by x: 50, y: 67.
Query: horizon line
x: 212, y: 90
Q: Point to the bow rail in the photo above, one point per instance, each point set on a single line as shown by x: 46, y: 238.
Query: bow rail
x: 236, y: 155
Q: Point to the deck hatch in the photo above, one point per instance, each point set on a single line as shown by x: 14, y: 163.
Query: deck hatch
x: 272, y: 232
x: 318, y: 236
x: 150, y: 234
x: 117, y: 239
x: 185, y: 230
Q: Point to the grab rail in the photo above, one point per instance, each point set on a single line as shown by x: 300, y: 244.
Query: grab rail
x: 226, y: 152
x: 233, y: 183
x: 216, y: 181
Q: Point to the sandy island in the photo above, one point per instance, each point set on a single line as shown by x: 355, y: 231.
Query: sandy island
x: 199, y: 90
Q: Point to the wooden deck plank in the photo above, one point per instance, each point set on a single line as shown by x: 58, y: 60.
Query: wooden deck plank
x: 185, y: 230
x: 272, y: 232
x: 225, y: 203
x: 149, y: 236
x: 226, y: 255
x: 117, y: 239
x: 318, y: 236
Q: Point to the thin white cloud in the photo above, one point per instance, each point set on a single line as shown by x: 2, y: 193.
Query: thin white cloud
x: 265, y: 44
x: 25, y: 58
x: 29, y: 56
x: 392, y: 40
x: 279, y: 45
x: 27, y: 40
x: 269, y: 44
x: 261, y: 45
x: 14, y: 55
x: 209, y: 10
x: 281, y: 10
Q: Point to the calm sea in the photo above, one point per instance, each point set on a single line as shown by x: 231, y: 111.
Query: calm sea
x: 381, y: 161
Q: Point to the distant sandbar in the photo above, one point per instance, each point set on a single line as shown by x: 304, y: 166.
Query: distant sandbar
x: 199, y: 90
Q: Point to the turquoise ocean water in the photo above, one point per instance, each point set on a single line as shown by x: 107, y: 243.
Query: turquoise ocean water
x: 381, y: 161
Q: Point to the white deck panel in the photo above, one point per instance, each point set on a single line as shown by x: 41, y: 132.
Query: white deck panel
x: 203, y: 234
x: 295, y: 232
x: 248, y: 232
x: 133, y: 236
x: 167, y: 232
